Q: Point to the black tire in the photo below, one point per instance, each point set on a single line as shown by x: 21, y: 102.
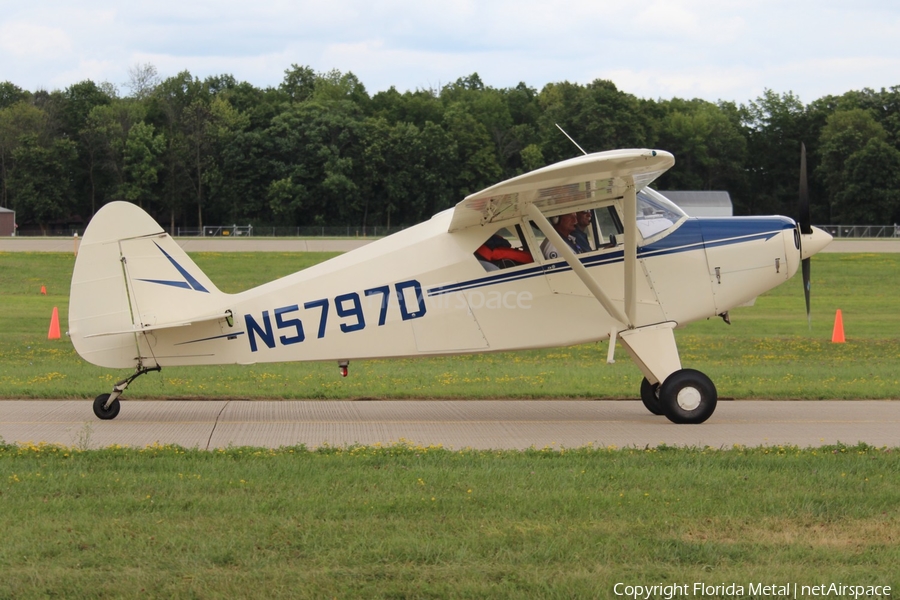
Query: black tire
x: 688, y: 397
x: 106, y: 413
x: 650, y: 397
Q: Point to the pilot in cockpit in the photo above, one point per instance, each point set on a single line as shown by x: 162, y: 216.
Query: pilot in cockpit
x: 582, y: 229
x: 565, y: 226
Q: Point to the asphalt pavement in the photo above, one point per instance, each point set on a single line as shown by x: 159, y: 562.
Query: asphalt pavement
x: 453, y: 424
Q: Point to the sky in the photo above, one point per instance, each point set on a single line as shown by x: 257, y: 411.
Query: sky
x: 658, y: 49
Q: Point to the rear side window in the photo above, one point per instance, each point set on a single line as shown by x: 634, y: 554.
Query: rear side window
x: 504, y: 249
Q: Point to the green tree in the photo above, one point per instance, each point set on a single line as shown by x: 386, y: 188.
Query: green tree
x: 476, y: 165
x: 197, y: 127
x: 183, y: 158
x: 438, y: 174
x: 141, y: 163
x: 597, y: 116
x: 79, y: 100
x: 42, y: 180
x: 709, y: 146
x: 299, y: 83
x: 286, y: 198
x: 93, y: 147
x: 418, y: 107
x: 777, y: 124
x: 532, y: 157
x: 226, y: 130
x: 104, y: 140
x: 871, y: 193
x: 314, y: 149
x: 11, y: 94
x: 335, y: 86
x: 846, y: 133
x: 16, y: 121
x: 490, y: 108
x: 393, y: 161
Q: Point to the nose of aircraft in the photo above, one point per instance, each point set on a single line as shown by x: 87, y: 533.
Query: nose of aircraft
x: 811, y: 243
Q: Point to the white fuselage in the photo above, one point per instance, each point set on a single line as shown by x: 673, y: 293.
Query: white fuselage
x: 439, y: 300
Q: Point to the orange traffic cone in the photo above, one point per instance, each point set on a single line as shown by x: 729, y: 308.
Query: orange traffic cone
x: 53, y: 334
x: 837, y: 337
x: 44, y: 290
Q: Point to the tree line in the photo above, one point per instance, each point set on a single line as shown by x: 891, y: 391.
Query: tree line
x: 318, y: 149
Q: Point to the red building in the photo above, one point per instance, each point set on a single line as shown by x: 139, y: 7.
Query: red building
x: 7, y: 222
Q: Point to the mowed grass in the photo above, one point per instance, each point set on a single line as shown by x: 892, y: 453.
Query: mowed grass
x: 768, y: 352
x: 418, y: 522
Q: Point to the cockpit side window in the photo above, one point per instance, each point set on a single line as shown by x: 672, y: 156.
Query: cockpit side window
x: 503, y: 250
x: 585, y: 231
x: 655, y: 213
x: 608, y: 226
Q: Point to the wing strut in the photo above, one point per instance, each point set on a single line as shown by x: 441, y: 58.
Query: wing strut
x: 567, y: 253
x: 631, y: 236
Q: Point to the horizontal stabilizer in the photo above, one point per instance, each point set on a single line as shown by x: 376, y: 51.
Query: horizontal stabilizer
x: 182, y: 323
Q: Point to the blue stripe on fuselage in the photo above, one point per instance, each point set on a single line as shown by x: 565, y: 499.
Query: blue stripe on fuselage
x: 738, y: 229
x: 692, y: 234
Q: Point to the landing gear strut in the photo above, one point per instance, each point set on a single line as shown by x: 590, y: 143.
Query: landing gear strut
x: 682, y: 395
x: 106, y: 406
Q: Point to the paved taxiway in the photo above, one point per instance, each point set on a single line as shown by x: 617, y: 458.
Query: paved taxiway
x: 456, y: 424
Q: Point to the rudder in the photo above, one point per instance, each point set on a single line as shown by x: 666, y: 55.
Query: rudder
x: 130, y: 276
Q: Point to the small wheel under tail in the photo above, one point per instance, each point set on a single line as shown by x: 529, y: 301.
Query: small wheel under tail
x: 102, y: 411
x: 688, y: 397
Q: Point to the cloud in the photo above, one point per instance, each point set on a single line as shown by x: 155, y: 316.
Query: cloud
x: 711, y: 49
x: 25, y: 40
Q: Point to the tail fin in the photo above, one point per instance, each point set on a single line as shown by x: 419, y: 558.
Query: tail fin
x: 130, y: 277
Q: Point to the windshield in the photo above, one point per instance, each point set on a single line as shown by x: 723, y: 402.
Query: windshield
x: 655, y: 213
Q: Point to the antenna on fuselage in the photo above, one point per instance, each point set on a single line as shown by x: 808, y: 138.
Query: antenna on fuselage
x: 570, y: 138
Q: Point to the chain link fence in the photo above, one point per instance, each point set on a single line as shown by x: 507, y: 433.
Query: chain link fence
x: 862, y: 231
x: 239, y: 231
x: 265, y: 231
x: 352, y: 231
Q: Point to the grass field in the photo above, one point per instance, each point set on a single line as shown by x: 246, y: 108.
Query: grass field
x: 768, y: 351
x: 408, y: 522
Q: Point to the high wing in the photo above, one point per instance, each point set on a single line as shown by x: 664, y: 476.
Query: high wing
x: 577, y: 181
x: 580, y: 183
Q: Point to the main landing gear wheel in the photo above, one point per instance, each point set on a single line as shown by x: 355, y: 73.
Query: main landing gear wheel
x: 688, y: 397
x: 650, y: 397
x: 101, y: 410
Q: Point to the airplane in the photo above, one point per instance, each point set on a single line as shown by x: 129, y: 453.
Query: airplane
x: 474, y: 278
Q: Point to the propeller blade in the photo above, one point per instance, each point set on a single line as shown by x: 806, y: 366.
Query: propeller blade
x: 805, y: 227
x: 804, y: 220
